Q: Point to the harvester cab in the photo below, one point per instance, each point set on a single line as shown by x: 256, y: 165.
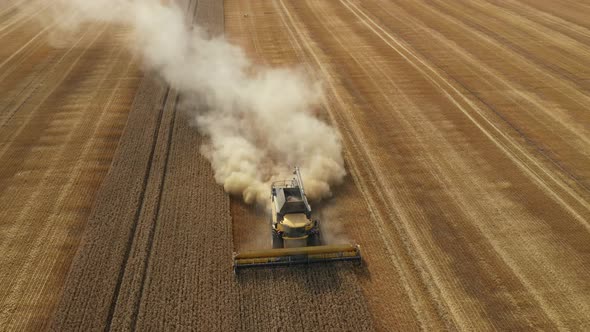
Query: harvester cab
x: 292, y: 225
x: 295, y: 235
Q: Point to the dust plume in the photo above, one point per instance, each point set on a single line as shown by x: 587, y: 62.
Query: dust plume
x: 259, y: 121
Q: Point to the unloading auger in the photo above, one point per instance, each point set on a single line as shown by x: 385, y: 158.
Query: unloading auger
x: 295, y: 235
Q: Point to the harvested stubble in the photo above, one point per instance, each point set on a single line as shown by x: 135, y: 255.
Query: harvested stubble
x: 62, y: 110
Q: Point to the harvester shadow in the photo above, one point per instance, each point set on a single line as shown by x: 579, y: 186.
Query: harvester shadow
x: 317, y: 278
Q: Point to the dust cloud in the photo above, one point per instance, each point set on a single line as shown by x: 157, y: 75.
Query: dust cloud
x: 259, y: 121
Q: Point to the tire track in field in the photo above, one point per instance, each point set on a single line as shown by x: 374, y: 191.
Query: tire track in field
x: 125, y: 306
x: 93, y: 281
x: 157, y: 215
x: 145, y: 204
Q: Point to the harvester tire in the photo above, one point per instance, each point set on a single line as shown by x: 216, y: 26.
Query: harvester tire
x: 314, y: 240
x: 277, y: 241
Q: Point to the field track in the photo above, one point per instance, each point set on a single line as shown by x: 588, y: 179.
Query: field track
x: 466, y: 133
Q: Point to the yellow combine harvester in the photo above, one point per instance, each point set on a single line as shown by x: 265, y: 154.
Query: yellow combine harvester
x: 295, y: 236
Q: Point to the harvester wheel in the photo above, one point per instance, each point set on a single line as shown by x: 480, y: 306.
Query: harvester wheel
x: 314, y: 240
x: 277, y: 240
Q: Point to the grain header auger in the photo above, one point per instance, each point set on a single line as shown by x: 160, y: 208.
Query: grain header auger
x: 295, y: 235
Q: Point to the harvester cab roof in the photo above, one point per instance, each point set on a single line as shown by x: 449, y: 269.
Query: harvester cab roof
x: 289, y: 197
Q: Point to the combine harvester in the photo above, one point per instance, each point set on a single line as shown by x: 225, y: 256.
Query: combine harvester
x: 295, y: 236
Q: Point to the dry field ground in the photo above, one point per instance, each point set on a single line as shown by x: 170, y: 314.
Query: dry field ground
x: 467, y: 142
x: 62, y: 111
